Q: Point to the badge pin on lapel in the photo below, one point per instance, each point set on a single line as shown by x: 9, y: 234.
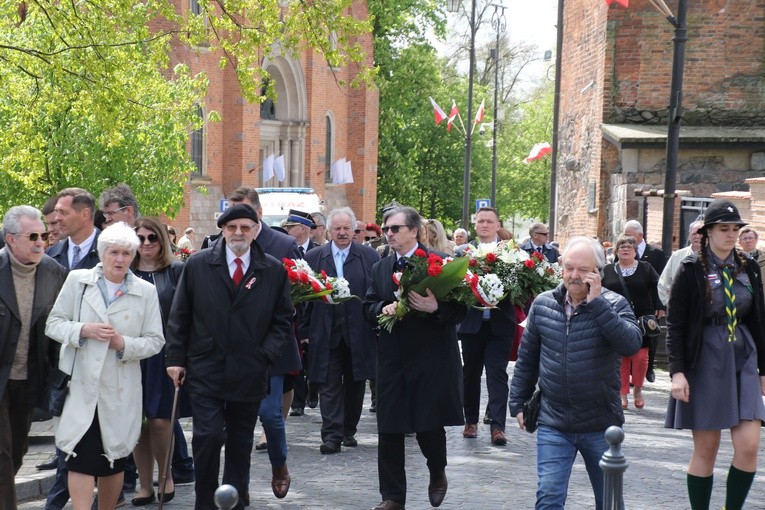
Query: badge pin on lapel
x: 249, y: 283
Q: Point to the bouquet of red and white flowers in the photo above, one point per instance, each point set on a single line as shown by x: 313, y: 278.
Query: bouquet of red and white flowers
x: 499, y: 270
x: 307, y: 285
x: 423, y: 271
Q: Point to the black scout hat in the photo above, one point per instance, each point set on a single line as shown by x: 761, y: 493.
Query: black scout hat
x: 236, y: 212
x: 721, y: 211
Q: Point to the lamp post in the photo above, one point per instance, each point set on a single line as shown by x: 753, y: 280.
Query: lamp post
x: 454, y: 6
x: 499, y: 24
x: 673, y: 130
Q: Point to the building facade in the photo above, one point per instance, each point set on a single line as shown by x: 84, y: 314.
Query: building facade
x: 314, y: 122
x: 615, y: 85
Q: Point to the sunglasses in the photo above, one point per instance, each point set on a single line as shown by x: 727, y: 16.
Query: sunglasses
x: 151, y: 237
x: 370, y: 238
x: 392, y: 228
x: 34, y: 235
x: 231, y: 229
x: 357, y: 231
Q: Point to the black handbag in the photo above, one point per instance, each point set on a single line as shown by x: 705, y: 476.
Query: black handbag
x: 649, y: 324
x: 57, y: 383
x: 531, y: 411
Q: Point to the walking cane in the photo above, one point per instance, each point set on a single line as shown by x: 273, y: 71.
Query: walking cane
x: 169, y: 454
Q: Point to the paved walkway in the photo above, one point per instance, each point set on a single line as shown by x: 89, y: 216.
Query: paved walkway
x: 481, y: 476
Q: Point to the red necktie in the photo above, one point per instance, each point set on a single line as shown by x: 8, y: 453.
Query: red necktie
x: 238, y: 273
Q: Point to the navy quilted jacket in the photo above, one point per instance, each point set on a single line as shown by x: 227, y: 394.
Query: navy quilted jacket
x: 575, y: 361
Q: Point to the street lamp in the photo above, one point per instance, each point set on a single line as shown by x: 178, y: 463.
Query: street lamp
x: 499, y: 24
x: 454, y: 6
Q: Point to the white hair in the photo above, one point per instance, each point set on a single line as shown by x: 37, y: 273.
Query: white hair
x: 347, y: 211
x: 633, y: 225
x: 460, y: 231
x: 593, y: 244
x: 118, y: 234
x: 12, y: 219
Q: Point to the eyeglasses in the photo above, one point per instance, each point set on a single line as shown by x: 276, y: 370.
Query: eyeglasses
x: 34, y: 235
x: 543, y: 233
x: 392, y: 228
x: 109, y: 214
x: 151, y: 237
x: 357, y: 231
x: 231, y: 229
x: 371, y: 238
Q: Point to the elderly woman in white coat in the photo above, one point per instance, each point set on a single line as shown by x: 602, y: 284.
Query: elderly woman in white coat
x: 107, y: 320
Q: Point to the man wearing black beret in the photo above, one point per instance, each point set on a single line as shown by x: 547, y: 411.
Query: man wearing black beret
x: 231, y: 317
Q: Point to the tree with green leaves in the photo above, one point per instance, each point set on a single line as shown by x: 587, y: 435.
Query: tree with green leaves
x: 89, y: 98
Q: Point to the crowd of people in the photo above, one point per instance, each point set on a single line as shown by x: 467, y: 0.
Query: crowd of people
x: 149, y: 330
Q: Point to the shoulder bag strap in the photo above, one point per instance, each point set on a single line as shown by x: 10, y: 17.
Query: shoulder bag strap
x: 79, y: 315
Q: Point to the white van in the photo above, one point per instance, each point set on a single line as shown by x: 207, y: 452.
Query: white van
x: 277, y: 202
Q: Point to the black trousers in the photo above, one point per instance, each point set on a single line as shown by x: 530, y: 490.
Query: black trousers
x: 218, y: 422
x: 342, y: 398
x: 15, y: 420
x: 484, y: 349
x: 391, y: 455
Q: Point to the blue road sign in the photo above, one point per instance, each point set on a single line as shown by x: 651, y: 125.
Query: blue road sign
x: 223, y: 205
x: 482, y: 202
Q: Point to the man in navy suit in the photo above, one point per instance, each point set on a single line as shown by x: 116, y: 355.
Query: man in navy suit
x: 487, y: 338
x: 343, y: 347
x: 538, y: 241
x: 74, y: 212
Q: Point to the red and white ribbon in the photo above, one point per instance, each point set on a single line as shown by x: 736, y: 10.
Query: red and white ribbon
x: 473, y: 282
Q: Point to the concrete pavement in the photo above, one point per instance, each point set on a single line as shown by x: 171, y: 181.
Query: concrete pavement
x: 481, y: 476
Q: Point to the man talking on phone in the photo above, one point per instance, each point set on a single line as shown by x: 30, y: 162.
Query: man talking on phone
x: 571, y: 346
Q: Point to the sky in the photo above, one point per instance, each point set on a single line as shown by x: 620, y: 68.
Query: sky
x: 527, y: 20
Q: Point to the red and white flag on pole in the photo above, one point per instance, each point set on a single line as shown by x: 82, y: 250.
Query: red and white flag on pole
x: 452, y: 115
x: 539, y: 151
x: 479, y: 113
x: 624, y: 3
x: 437, y: 112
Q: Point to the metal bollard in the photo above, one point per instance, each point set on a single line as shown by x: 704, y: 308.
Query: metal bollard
x: 613, y: 465
x: 226, y: 497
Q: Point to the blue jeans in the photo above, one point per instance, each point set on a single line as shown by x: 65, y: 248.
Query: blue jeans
x: 273, y: 422
x: 556, y: 452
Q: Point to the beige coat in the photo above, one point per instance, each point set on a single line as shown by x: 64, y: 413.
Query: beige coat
x: 100, y: 378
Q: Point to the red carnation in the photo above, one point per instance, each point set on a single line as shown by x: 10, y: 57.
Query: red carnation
x: 434, y: 270
x: 292, y: 275
x: 490, y: 258
x: 288, y: 262
x: 529, y: 263
x: 324, y: 274
x: 472, y: 263
x: 304, y: 277
x: 435, y: 259
x: 419, y: 252
x: 537, y: 255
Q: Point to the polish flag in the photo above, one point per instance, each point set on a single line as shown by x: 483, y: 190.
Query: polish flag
x: 452, y: 115
x: 479, y: 113
x: 623, y: 3
x: 437, y: 112
x: 539, y: 151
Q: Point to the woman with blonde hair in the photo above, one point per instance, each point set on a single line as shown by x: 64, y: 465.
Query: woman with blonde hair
x: 435, y: 238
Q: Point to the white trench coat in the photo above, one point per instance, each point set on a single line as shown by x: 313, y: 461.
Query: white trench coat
x: 99, y: 377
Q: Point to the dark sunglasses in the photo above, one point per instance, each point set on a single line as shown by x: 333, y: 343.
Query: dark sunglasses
x: 153, y: 238
x: 357, y: 231
x: 34, y: 235
x: 370, y: 238
x: 392, y: 228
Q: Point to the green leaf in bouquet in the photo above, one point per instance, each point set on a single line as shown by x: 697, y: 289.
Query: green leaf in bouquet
x: 450, y: 277
x: 310, y: 297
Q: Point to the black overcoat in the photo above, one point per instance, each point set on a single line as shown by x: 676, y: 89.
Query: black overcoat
x: 358, y: 271
x: 419, y: 371
x: 228, y: 337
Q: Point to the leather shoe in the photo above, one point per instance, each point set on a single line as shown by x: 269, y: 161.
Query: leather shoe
x: 329, y: 448
x: 650, y: 376
x: 437, y: 488
x: 487, y: 417
x: 51, y: 463
x: 144, y: 500
x: 498, y: 437
x: 262, y: 446
x: 168, y: 496
x: 280, y: 481
x: 471, y: 431
x: 296, y: 411
x: 350, y: 441
x: 185, y: 478
x: 312, y: 401
x: 389, y: 504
